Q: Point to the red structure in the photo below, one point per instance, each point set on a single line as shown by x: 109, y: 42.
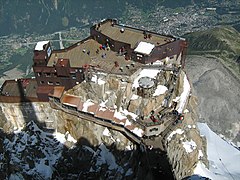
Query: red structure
x: 109, y: 43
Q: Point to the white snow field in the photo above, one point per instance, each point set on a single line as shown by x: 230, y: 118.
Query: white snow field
x: 224, y: 159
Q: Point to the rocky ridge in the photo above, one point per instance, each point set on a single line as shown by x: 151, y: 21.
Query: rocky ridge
x: 184, y: 145
x: 75, y: 142
x: 103, y: 152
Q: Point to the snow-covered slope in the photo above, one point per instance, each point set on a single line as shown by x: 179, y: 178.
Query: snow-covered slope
x: 224, y: 159
x: 33, y: 151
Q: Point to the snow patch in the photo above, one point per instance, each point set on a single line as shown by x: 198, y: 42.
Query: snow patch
x: 86, y: 105
x: 129, y: 147
x: 32, y: 139
x: 224, y: 159
x: 151, y: 73
x: 119, y: 115
x: 126, y: 112
x: 129, y: 172
x: 106, y: 132
x: 60, y: 137
x: 104, y: 156
x: 184, y: 95
x: 160, y: 90
x: 138, y: 131
x: 97, y: 80
x: 200, y: 154
x: 189, y: 146
x: 134, y: 97
x: 178, y: 131
x: 70, y: 138
x: 176, y: 99
x: 128, y: 123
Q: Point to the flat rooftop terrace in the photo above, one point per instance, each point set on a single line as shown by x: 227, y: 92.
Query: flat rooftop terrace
x: 131, y: 35
x: 28, y: 87
x: 88, y: 52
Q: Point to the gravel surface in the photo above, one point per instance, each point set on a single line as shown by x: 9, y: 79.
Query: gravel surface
x: 218, y: 93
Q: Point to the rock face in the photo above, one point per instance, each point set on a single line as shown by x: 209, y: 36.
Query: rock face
x: 219, y: 96
x: 98, y: 151
x: 184, y: 145
x: 111, y: 91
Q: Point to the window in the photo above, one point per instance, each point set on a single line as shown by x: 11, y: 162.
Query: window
x: 74, y: 76
x: 50, y: 83
x: 41, y: 82
x: 57, y: 83
x: 49, y: 51
x: 39, y: 74
x: 48, y: 74
x: 153, y: 129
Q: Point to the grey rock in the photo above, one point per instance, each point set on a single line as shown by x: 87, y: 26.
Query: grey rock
x: 218, y: 92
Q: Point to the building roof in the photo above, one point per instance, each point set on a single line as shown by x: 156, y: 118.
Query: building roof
x: 119, y: 121
x: 16, y: 88
x: 104, y: 113
x: 144, y: 48
x: 40, y: 45
x: 92, y: 108
x: 70, y: 100
x: 80, y: 106
x: 104, y: 59
x: 62, y: 62
x: 57, y: 91
x: 131, y: 35
x: 44, y: 89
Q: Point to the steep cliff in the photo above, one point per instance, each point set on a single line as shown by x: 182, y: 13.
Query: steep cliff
x: 184, y: 145
x: 84, y: 147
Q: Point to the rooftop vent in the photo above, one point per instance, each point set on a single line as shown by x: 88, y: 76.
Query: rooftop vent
x: 122, y: 30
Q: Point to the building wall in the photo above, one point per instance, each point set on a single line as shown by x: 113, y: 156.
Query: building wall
x: 113, y: 44
x: 40, y: 58
x: 52, y: 79
x: 59, y: 75
x: 17, y: 99
x: 166, y: 50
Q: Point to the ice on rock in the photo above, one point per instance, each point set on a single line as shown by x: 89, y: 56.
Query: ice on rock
x: 189, y: 146
x: 106, y: 132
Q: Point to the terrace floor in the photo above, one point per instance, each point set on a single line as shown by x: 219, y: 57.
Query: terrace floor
x: 89, y: 52
x: 26, y: 87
